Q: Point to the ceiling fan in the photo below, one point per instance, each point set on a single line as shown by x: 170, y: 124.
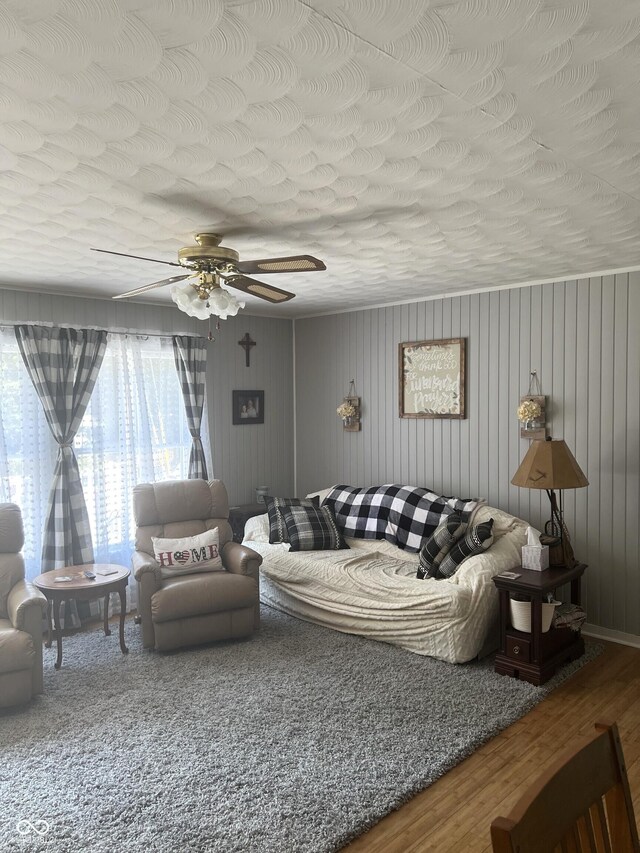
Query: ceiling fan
x: 210, y: 265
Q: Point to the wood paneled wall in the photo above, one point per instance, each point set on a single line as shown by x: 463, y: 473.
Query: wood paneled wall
x: 253, y: 455
x: 243, y: 456
x: 583, y: 339
x: 581, y: 336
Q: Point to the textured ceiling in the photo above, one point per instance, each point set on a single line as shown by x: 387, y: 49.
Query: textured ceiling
x: 417, y: 147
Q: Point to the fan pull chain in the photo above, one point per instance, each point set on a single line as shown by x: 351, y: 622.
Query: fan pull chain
x: 210, y: 336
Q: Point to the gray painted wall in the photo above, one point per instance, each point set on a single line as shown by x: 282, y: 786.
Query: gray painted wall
x: 243, y: 456
x: 581, y: 336
x: 257, y: 454
x: 583, y: 339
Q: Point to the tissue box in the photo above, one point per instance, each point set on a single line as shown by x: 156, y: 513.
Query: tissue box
x: 535, y: 557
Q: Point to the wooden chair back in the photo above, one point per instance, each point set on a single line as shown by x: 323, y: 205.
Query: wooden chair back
x: 581, y: 804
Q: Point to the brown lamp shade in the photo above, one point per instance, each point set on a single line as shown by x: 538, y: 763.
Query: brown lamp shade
x: 549, y: 465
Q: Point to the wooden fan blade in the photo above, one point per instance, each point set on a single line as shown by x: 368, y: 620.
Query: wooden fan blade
x: 257, y: 288
x: 152, y: 286
x: 138, y: 257
x: 293, y: 263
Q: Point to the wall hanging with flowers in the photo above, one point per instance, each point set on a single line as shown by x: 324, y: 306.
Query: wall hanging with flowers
x: 532, y: 411
x: 349, y: 410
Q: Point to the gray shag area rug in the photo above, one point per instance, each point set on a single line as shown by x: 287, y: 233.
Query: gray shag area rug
x: 296, y: 741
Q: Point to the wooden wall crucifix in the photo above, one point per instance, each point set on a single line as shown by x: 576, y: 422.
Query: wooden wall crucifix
x: 247, y: 343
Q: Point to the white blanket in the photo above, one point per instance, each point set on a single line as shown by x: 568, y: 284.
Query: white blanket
x: 372, y: 589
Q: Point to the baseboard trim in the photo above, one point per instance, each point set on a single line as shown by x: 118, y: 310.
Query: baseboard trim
x: 599, y: 633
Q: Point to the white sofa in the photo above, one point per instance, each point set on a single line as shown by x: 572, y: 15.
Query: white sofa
x: 372, y: 589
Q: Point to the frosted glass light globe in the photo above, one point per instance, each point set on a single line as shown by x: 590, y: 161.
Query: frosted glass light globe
x: 220, y: 302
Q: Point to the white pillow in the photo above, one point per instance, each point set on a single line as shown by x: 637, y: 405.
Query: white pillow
x: 321, y: 495
x: 257, y: 529
x: 191, y: 554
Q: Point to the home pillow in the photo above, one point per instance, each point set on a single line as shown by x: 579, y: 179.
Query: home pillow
x: 439, y: 544
x: 275, y: 506
x: 312, y: 528
x: 476, y: 540
x: 190, y: 554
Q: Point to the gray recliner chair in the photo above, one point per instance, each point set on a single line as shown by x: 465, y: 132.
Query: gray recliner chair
x: 194, y: 608
x: 21, y: 610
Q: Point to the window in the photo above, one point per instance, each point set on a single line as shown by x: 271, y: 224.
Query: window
x: 27, y: 449
x: 134, y: 431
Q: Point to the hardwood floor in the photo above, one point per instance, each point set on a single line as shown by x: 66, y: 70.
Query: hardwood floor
x: 455, y: 813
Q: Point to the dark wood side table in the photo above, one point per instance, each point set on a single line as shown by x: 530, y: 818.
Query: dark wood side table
x: 81, y: 588
x: 239, y: 515
x: 535, y: 656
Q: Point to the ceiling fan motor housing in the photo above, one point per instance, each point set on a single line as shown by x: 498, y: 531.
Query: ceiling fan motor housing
x: 207, y: 254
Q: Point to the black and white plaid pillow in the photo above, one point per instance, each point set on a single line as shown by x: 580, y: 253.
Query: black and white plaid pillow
x: 476, y: 540
x: 275, y: 506
x: 439, y: 544
x: 312, y: 529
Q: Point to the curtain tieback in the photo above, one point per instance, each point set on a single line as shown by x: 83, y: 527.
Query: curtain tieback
x: 65, y: 443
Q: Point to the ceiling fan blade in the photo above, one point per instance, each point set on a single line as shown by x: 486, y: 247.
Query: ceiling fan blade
x: 138, y: 257
x: 293, y: 263
x: 155, y: 284
x: 257, y: 288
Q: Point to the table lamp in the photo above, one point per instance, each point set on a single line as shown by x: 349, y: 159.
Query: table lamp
x: 550, y: 465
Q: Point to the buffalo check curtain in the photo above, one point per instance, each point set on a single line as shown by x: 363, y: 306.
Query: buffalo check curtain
x: 63, y: 365
x: 190, y: 355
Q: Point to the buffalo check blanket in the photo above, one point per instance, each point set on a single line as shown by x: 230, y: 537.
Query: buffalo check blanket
x: 403, y: 515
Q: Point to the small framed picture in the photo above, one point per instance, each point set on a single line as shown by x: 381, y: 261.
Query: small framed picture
x: 248, y: 407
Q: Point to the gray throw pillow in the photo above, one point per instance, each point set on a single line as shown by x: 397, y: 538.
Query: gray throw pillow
x: 312, y: 529
x: 275, y: 506
x: 476, y: 540
x: 438, y: 545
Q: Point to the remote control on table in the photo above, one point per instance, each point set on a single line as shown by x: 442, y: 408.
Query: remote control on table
x: 90, y: 575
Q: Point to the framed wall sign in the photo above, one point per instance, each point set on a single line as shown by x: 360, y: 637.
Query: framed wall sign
x: 248, y: 407
x: 432, y: 378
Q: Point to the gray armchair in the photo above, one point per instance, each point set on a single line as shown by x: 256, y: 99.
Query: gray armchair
x: 21, y: 610
x: 195, y: 608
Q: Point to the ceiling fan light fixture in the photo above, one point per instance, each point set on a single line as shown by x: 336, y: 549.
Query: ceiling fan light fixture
x: 219, y: 302
x: 212, y: 263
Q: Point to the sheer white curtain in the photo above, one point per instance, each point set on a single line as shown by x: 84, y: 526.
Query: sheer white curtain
x: 27, y: 449
x: 134, y: 431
